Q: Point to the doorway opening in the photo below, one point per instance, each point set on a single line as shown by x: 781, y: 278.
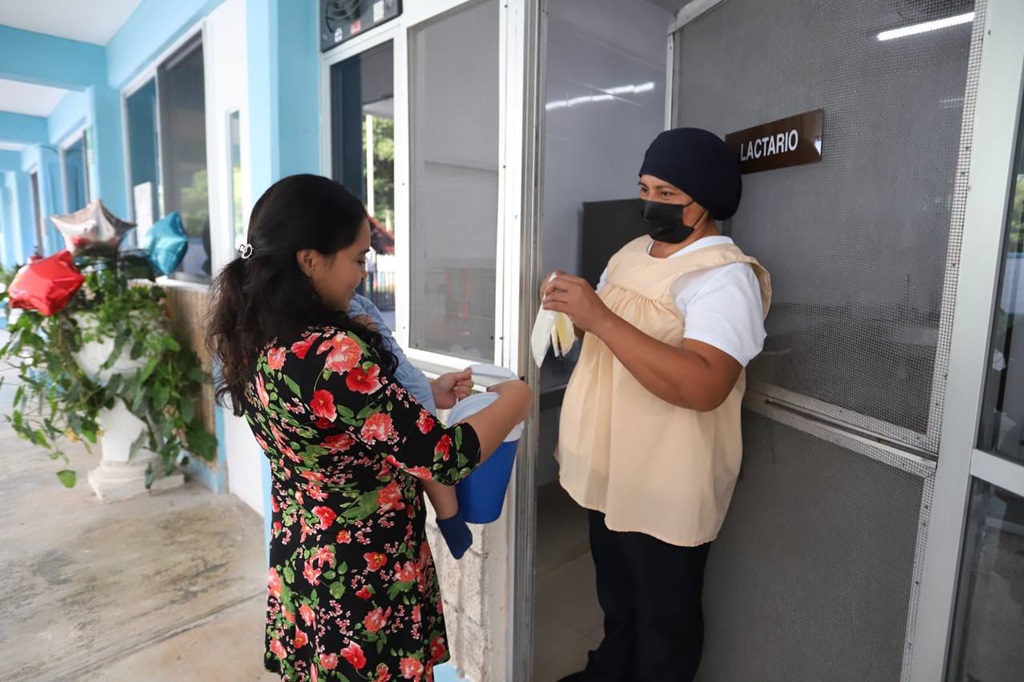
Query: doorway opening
x: 603, y: 103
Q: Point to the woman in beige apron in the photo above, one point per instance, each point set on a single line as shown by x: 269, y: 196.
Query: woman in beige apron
x: 650, y: 437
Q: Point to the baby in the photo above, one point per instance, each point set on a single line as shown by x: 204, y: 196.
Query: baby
x: 442, y: 498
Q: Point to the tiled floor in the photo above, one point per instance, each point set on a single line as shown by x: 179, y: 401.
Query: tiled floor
x: 162, y: 588
x: 568, y: 618
x: 166, y: 587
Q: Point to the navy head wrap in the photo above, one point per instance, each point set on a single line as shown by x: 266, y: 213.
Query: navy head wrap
x: 699, y: 163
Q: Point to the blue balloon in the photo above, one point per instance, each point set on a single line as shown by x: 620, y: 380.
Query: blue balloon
x: 166, y: 244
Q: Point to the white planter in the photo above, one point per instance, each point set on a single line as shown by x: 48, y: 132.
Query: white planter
x: 120, y: 474
x: 92, y: 356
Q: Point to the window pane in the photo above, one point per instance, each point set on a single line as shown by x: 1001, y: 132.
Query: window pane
x: 143, y: 154
x: 989, y: 626
x: 75, y: 170
x: 455, y: 88
x: 1002, y: 428
x: 235, y: 154
x: 363, y: 134
x: 183, y: 148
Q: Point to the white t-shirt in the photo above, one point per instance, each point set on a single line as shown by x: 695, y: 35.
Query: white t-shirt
x: 722, y: 307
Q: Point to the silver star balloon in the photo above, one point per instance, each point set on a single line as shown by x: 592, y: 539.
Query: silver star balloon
x: 91, y: 225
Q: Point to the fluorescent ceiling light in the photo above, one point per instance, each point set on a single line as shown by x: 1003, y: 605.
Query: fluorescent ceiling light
x: 926, y: 27
x: 606, y: 96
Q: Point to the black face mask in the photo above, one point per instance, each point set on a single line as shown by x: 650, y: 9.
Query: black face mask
x: 665, y: 221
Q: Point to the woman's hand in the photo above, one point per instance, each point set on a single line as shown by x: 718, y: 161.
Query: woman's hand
x: 576, y: 298
x: 450, y: 388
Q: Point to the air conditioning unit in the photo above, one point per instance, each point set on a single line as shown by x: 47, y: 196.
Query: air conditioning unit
x: 341, y: 20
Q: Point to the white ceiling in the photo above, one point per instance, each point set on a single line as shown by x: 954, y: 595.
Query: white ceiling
x: 95, y: 21
x: 29, y: 99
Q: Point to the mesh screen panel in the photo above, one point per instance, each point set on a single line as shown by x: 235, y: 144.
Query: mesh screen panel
x: 857, y: 245
x: 812, y: 576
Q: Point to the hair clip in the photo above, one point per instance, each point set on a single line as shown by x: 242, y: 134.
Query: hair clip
x: 245, y: 251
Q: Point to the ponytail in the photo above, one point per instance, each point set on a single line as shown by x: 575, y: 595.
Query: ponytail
x: 227, y: 340
x: 265, y: 296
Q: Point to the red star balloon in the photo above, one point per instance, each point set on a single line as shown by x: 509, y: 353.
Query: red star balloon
x: 90, y: 225
x: 46, y: 285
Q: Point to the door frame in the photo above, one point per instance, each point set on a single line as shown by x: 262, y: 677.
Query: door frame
x: 523, y: 492
x: 78, y: 134
x: 35, y: 188
x: 997, y: 116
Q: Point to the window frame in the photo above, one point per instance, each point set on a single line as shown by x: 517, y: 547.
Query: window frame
x: 508, y: 264
x: 229, y: 170
x: 81, y: 134
x: 198, y: 35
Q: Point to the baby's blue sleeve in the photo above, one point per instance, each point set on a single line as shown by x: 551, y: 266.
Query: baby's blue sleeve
x: 411, y: 378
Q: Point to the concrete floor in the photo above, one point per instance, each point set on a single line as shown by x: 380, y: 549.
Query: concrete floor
x: 160, y: 587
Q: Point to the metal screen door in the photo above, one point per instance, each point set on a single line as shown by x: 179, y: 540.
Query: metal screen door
x: 816, y: 574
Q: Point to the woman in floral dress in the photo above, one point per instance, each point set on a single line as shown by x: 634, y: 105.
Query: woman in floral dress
x: 352, y: 591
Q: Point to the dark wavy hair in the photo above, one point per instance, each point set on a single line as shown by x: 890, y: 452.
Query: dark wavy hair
x: 267, y: 296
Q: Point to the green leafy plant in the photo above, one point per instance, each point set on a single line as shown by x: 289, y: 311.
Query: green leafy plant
x: 56, y: 399
x: 383, y: 168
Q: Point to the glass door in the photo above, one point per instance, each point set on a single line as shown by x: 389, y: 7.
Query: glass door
x: 989, y: 613
x: 971, y: 620
x: 847, y: 402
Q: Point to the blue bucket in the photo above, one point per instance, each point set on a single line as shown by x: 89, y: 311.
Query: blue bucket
x: 482, y: 493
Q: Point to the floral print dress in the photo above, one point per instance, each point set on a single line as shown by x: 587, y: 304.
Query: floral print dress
x: 352, y: 592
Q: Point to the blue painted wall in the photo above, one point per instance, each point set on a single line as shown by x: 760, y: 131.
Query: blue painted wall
x: 107, y: 180
x: 298, y: 69
x: 8, y: 226
x: 284, y: 106
x: 14, y: 185
x: 72, y: 114
x: 22, y: 129
x: 46, y: 161
x: 150, y: 30
x: 48, y: 60
x: 10, y: 161
x: 82, y: 68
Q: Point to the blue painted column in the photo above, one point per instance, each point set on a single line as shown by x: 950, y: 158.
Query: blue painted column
x: 51, y: 180
x: 6, y: 225
x: 13, y: 238
x: 44, y: 160
x: 108, y: 180
x: 284, y: 106
x: 26, y: 219
x: 10, y: 224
